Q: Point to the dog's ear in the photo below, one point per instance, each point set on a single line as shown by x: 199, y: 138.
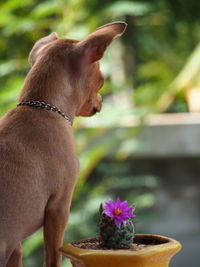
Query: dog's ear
x: 94, y: 45
x: 40, y: 45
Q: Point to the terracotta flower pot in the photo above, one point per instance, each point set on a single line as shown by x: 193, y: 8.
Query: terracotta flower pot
x: 158, y: 253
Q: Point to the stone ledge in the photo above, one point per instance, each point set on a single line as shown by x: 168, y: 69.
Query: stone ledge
x: 170, y: 135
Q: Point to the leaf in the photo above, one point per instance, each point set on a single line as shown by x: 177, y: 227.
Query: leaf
x: 9, y: 94
x: 6, y: 10
x: 11, y: 5
x: 187, y: 78
x: 126, y: 8
x: 88, y: 160
x: 9, y: 66
x: 21, y: 25
x: 32, y: 243
x: 45, y: 9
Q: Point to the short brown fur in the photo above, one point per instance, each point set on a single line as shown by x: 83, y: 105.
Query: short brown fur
x: 38, y: 163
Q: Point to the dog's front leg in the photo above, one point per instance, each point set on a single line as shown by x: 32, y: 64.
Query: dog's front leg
x: 56, y: 216
x: 15, y: 259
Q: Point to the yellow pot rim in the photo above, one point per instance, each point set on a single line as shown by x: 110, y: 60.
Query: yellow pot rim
x: 169, y: 244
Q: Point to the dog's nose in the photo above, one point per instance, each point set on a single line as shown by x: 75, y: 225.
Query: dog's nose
x: 95, y: 110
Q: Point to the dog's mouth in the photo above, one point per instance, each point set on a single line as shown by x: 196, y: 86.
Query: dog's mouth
x: 95, y: 110
x: 90, y: 110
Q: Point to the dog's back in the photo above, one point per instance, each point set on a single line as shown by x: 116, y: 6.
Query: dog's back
x: 30, y: 162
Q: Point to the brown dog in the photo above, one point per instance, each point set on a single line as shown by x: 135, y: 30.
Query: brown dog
x: 38, y: 164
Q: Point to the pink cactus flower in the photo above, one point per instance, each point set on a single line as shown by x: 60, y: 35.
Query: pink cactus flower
x: 119, y: 211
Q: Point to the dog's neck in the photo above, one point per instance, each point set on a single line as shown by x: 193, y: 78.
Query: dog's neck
x: 50, y: 83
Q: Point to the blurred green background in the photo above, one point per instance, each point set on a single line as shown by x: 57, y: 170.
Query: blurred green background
x: 153, y: 68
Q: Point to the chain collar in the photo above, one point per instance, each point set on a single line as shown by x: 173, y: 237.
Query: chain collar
x: 43, y: 105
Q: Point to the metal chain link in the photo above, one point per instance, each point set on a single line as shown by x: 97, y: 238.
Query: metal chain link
x: 44, y: 105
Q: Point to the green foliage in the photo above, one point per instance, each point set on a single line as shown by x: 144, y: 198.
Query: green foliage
x: 158, y: 57
x: 120, y: 9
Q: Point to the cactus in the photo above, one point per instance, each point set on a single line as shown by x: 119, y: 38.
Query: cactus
x: 116, y: 225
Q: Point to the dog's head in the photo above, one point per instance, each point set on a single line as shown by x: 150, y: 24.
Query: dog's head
x: 81, y: 61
